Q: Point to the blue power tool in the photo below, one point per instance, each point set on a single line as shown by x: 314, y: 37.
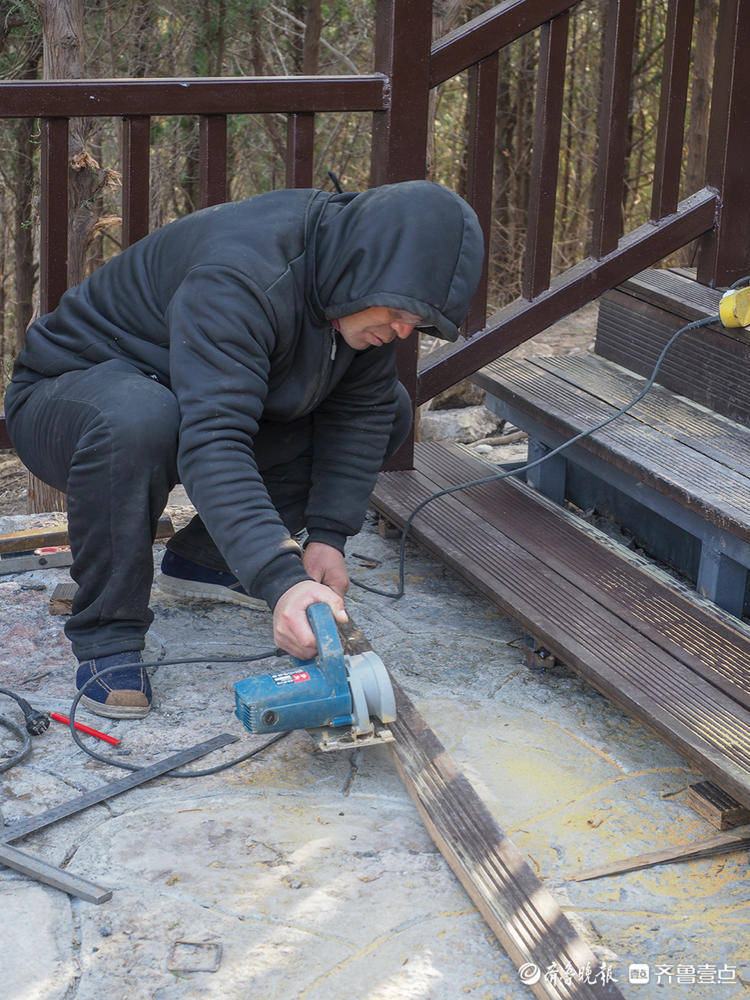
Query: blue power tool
x: 345, y: 700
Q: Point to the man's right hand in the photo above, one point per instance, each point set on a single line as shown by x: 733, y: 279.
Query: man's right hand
x: 291, y: 629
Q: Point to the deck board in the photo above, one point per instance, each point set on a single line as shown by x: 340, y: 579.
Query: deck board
x: 716, y: 492
x: 709, y: 726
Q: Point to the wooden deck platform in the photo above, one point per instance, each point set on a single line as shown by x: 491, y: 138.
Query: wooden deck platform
x: 673, y: 664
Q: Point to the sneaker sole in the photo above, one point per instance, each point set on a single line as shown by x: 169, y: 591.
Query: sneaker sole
x: 208, y: 591
x: 115, y: 711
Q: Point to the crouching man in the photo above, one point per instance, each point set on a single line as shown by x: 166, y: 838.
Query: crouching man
x: 247, y: 351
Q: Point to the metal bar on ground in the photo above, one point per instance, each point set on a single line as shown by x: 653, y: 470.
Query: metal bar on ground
x: 212, y: 157
x: 136, y: 151
x: 482, y: 118
x: 613, y: 126
x: 33, y: 823
x: 39, y: 870
x: 674, y: 88
x: 53, y: 210
x: 546, y: 156
x: 300, y: 149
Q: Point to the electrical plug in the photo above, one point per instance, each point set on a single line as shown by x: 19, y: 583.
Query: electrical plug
x: 734, y: 307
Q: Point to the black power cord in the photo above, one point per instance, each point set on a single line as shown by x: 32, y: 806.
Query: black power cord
x: 36, y: 724
x: 531, y: 465
x: 164, y: 663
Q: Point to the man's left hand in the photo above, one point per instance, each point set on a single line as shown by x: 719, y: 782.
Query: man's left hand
x: 326, y: 565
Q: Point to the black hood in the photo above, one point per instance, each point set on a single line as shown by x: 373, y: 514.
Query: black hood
x: 415, y: 246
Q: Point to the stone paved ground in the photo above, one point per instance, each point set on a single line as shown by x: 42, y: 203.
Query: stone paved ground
x: 305, y: 875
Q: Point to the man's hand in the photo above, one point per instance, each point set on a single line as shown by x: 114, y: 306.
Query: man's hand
x: 291, y: 629
x: 326, y: 565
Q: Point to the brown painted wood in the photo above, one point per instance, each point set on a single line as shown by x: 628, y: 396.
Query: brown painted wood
x: 704, y: 644
x: 720, y: 844
x: 713, y: 491
x: 479, y: 170
x: 522, y: 914
x: 53, y: 212
x: 722, y: 256
x: 709, y: 366
x: 569, y: 291
x: 709, y: 728
x: 545, y: 156
x: 5, y: 441
x: 300, y: 150
x: 723, y: 440
x: 613, y: 126
x: 192, y: 96
x: 673, y: 105
x: 212, y: 157
x: 136, y: 152
x: 720, y: 809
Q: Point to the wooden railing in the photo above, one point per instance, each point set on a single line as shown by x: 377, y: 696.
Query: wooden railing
x: 407, y: 66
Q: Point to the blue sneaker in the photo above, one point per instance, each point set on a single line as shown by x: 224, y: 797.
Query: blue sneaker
x: 123, y: 694
x: 189, y: 579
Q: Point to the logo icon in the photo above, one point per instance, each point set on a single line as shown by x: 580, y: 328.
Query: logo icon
x: 529, y: 973
x: 638, y: 972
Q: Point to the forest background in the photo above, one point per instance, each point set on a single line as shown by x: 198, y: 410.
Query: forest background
x: 172, y: 38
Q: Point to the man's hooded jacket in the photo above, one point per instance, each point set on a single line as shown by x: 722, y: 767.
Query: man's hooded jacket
x: 231, y: 308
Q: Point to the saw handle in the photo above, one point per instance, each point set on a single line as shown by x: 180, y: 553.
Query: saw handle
x: 330, y: 657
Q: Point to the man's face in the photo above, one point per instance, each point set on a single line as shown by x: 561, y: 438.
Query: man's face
x: 376, y: 326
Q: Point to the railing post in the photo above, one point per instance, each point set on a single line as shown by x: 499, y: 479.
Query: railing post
x: 724, y: 254
x: 399, y: 139
x: 53, y: 201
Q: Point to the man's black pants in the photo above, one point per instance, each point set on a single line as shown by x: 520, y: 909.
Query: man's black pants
x: 107, y: 437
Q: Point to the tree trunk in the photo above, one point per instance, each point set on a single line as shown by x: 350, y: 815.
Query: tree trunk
x: 62, y: 30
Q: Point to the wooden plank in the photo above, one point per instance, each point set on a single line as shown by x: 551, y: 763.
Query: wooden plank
x: 53, y: 212
x: 136, y: 153
x: 520, y: 911
x: 212, y: 159
x: 716, y: 493
x: 710, y: 434
x: 61, y: 600
x: 300, y: 149
x: 673, y: 105
x: 39, y: 870
x: 720, y: 809
x: 613, y: 125
x: 5, y: 441
x: 37, y: 537
x: 702, y: 723
x: 546, y: 156
x: 669, y: 289
x: 711, y: 648
x: 709, y: 366
x: 482, y: 117
x: 720, y: 844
